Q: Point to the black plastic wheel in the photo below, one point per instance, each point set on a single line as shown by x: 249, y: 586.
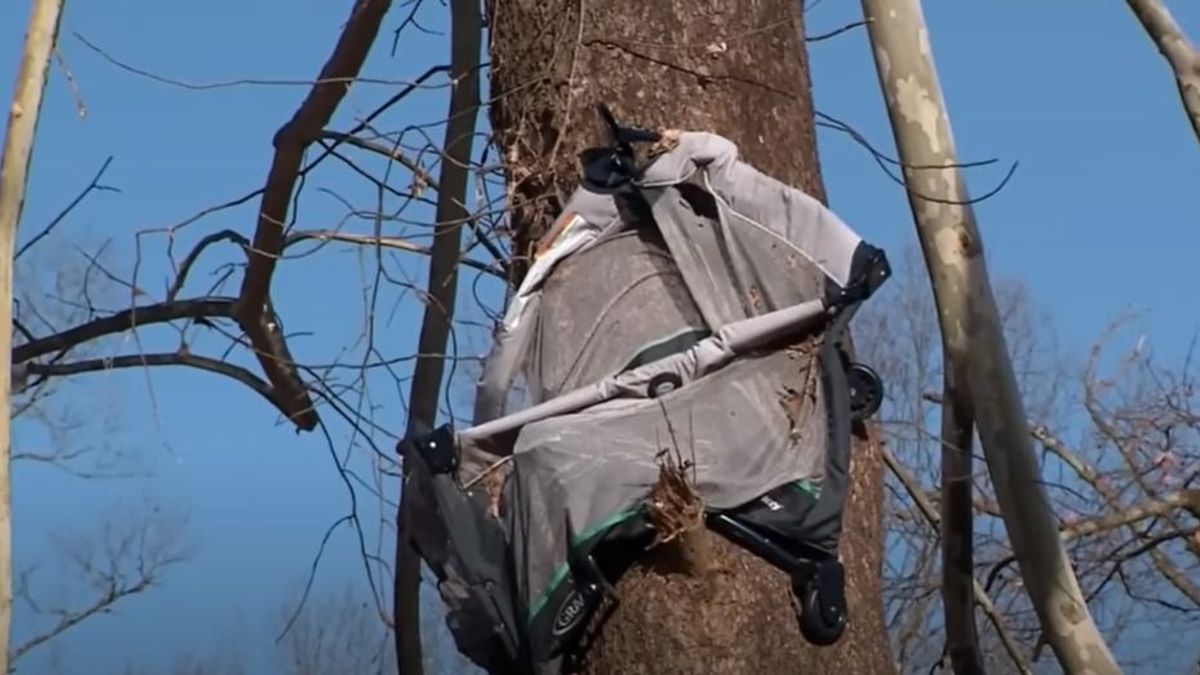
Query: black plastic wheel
x: 663, y: 383
x: 822, y: 620
x: 866, y: 391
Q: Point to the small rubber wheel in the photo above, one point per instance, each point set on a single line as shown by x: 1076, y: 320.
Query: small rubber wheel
x: 821, y: 623
x: 865, y: 389
x: 663, y: 383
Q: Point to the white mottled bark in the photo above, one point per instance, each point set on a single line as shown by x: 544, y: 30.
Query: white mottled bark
x: 971, y: 329
x: 1177, y: 50
x: 14, y: 173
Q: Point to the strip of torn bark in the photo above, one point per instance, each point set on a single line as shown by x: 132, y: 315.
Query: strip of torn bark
x: 1179, y: 52
x: 293, y: 138
x: 40, y: 38
x: 970, y: 323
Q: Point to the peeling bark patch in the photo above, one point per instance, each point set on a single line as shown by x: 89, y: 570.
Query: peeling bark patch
x: 918, y: 107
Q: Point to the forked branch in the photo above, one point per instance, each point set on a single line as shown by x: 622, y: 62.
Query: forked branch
x: 293, y: 138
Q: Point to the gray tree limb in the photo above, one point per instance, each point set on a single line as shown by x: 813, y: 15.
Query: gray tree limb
x: 970, y: 323
x: 1179, y: 52
x: 26, y: 108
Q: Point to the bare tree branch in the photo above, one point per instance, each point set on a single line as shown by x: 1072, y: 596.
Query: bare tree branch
x: 128, y: 557
x: 393, y: 154
x: 1178, y: 51
x: 465, y: 44
x: 1165, y: 567
x: 1183, y: 500
x: 101, y: 604
x: 190, y: 260
x: 1088, y: 474
x: 211, y: 365
x: 129, y: 319
x: 397, y: 243
x: 340, y: 80
x: 94, y: 185
x: 292, y: 139
x: 913, y: 487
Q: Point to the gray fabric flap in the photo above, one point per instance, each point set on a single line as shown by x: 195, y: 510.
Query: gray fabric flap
x: 796, y: 219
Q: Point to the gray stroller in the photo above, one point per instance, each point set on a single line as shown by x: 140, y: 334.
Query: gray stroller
x: 690, y: 302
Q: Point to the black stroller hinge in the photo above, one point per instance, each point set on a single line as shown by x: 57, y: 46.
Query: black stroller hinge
x: 616, y: 164
x: 437, y: 448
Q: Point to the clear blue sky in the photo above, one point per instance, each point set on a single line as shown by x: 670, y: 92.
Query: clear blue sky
x: 1100, y: 217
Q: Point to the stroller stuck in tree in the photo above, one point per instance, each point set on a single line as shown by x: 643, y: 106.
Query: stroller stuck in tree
x: 688, y: 302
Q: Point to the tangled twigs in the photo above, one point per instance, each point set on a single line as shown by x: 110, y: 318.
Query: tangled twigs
x: 676, y: 511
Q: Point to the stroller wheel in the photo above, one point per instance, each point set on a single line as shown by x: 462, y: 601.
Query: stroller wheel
x: 866, y: 391
x: 662, y: 384
x: 822, y: 605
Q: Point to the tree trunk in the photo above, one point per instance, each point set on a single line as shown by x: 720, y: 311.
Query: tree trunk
x: 23, y: 114
x: 972, y: 333
x: 738, y: 69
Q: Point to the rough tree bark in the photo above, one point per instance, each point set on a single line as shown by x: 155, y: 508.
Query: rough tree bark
x: 739, y: 69
x: 40, y: 38
x: 451, y: 216
x: 972, y: 333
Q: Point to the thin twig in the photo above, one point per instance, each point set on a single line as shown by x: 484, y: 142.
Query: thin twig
x: 397, y: 243
x: 92, y: 186
x: 323, y: 80
x: 912, y: 486
x: 837, y: 31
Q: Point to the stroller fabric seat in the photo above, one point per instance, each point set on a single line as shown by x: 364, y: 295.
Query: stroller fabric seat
x: 698, y: 308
